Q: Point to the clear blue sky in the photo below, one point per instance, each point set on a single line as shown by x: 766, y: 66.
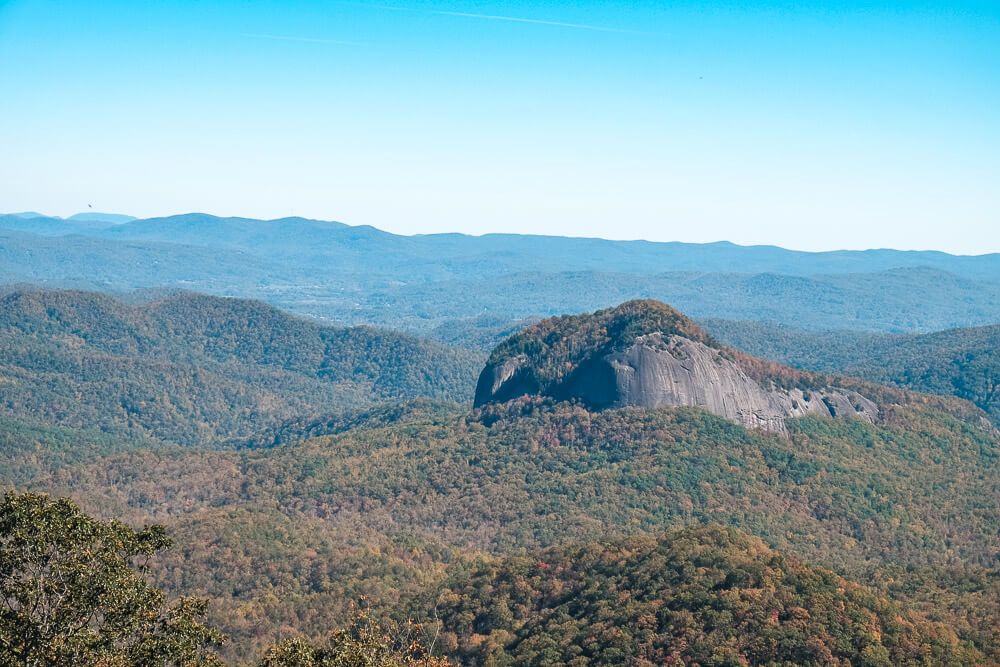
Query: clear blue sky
x: 805, y: 124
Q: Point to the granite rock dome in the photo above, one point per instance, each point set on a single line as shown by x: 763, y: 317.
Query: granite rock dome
x: 646, y: 354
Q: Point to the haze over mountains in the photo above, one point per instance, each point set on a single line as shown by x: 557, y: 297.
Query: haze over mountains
x: 449, y: 281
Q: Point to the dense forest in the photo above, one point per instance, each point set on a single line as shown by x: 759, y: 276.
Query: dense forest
x: 286, y: 536
x: 75, y: 591
x: 530, y: 531
x: 189, y: 368
x: 704, y: 596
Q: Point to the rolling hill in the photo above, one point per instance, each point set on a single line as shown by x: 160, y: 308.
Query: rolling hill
x: 191, y: 369
x: 705, y: 596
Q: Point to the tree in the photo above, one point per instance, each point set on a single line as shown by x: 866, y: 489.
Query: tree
x: 73, y: 591
x: 363, y: 642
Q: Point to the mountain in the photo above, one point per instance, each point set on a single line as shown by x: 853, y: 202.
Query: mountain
x: 107, y: 218
x: 80, y: 223
x: 86, y: 263
x: 645, y: 353
x: 957, y: 362
x: 897, y: 300
x: 507, y: 253
x: 702, y: 596
x: 449, y: 284
x: 190, y: 368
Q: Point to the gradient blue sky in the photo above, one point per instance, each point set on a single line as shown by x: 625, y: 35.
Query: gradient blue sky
x: 810, y: 125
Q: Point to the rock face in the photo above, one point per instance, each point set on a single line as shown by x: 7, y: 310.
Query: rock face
x: 635, y: 355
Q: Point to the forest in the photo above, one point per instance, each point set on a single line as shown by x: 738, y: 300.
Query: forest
x: 188, y: 368
x: 393, y: 519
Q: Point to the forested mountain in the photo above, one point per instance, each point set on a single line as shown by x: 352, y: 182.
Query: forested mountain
x: 448, y: 283
x: 958, y: 362
x: 189, y: 368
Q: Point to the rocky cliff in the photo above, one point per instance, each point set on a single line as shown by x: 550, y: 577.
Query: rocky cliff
x: 646, y: 354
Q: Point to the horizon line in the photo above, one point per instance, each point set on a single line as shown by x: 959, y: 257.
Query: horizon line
x: 27, y: 215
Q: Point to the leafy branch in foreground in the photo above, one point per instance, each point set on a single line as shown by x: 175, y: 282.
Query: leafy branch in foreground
x: 73, y: 591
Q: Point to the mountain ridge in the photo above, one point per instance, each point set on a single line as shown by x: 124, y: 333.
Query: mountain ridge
x: 752, y: 256
x: 418, y: 284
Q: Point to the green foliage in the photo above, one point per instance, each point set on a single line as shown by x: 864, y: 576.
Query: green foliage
x: 363, y: 642
x: 398, y: 500
x: 282, y: 536
x: 73, y: 591
x: 190, y: 368
x: 706, y: 596
x: 556, y: 346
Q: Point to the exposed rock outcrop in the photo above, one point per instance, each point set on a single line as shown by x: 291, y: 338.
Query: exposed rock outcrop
x: 645, y: 354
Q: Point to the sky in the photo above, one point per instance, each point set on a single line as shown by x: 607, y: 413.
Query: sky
x: 809, y: 125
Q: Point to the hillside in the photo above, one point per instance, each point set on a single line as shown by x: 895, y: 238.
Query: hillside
x: 382, y: 505
x: 190, y: 368
x: 706, y: 596
x: 958, y: 362
x: 303, y: 512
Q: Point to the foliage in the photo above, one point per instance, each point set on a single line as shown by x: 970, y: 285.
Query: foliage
x: 73, y: 591
x: 557, y: 345
x: 280, y: 537
x: 320, y: 505
x: 364, y: 641
x: 706, y: 596
x: 190, y: 368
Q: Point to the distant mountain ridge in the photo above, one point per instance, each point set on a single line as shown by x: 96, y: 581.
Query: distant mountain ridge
x: 475, y: 287
x: 564, y: 253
